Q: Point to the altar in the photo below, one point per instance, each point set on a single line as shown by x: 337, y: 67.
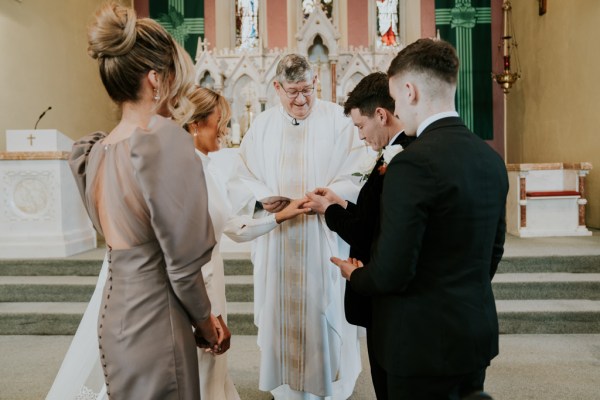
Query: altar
x: 41, y: 212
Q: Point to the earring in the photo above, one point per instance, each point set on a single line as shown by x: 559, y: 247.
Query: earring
x: 195, y: 131
x: 156, y: 95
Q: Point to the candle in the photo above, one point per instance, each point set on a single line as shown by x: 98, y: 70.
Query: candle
x: 235, y: 133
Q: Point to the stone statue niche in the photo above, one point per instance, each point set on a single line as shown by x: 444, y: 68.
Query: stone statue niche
x: 318, y: 55
x: 244, y: 103
x: 207, y: 81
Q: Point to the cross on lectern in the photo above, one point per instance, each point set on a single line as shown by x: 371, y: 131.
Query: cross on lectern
x: 30, y: 138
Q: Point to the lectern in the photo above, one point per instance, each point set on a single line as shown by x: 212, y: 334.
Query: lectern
x: 41, y: 212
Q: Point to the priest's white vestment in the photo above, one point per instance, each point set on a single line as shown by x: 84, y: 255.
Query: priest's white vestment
x: 306, y: 344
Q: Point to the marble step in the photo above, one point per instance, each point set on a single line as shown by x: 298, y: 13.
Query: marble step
x: 515, y: 317
x: 239, y: 288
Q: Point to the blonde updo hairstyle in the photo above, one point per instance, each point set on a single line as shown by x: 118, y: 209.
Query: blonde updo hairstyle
x: 127, y: 48
x: 205, y: 101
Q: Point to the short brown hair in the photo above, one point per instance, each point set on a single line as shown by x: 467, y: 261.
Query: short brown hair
x: 127, y: 48
x: 371, y: 92
x: 293, y: 68
x: 436, y: 57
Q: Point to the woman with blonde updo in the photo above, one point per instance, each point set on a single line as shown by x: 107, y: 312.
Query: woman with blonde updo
x: 139, y: 184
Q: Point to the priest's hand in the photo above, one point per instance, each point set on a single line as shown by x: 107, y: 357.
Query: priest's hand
x: 321, y: 198
x: 294, y: 208
x: 275, y: 206
x: 348, y: 266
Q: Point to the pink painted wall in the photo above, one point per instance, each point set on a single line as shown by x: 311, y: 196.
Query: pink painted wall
x: 277, y: 23
x: 142, y: 8
x: 210, y: 29
x: 428, y: 18
x: 358, y: 23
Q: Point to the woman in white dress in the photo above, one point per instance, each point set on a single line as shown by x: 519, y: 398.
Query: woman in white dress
x: 80, y: 376
x: 208, y: 127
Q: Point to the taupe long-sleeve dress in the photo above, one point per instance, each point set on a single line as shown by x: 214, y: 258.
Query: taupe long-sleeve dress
x: 147, y: 196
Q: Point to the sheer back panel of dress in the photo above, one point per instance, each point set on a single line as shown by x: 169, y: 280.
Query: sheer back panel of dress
x: 122, y: 213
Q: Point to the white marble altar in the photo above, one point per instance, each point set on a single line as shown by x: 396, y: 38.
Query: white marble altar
x: 41, y: 212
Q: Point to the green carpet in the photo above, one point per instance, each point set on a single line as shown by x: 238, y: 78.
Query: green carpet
x: 39, y: 324
x: 575, y: 264
x: 549, y: 323
x: 546, y: 290
x: 45, y: 293
x: 239, y: 293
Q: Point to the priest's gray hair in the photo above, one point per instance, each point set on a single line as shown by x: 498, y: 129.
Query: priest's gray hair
x: 293, y: 68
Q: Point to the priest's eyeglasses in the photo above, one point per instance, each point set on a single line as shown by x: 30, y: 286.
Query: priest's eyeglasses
x: 293, y: 93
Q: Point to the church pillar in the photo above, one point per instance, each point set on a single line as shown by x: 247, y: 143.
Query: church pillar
x: 582, y: 200
x: 333, y: 81
x: 523, y: 200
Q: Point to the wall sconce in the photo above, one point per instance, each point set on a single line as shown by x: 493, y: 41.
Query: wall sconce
x: 507, y: 78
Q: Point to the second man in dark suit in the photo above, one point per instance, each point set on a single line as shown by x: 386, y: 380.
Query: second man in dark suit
x: 372, y: 110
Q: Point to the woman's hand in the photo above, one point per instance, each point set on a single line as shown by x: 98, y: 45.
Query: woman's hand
x: 295, y: 208
x: 226, y: 342
x: 209, y: 334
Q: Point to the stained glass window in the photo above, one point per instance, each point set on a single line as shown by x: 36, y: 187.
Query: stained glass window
x: 246, y: 24
x: 387, y: 23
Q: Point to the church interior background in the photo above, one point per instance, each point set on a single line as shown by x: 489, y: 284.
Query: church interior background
x: 548, y: 116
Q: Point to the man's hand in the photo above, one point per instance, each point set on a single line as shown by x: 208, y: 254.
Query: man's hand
x: 348, y: 266
x: 275, y: 206
x: 321, y: 198
x: 294, y: 208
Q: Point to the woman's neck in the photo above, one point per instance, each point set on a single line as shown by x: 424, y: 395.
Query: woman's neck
x: 134, y: 116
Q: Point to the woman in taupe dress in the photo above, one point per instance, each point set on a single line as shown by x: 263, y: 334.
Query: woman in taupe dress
x: 140, y: 186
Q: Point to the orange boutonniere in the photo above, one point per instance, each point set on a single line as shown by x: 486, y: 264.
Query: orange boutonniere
x: 382, y: 168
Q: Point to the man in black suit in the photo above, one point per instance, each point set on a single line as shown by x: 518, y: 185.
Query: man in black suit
x: 372, y: 111
x: 434, y: 326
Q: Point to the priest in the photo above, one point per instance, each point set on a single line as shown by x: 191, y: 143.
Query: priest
x: 308, y: 350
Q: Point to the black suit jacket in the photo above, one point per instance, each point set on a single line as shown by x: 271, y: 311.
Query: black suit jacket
x: 442, y: 237
x: 358, y: 225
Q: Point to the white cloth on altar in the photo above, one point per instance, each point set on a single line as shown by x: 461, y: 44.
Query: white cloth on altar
x: 278, y: 158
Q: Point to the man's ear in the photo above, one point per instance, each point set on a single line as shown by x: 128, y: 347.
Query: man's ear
x: 381, y: 115
x: 412, y: 91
